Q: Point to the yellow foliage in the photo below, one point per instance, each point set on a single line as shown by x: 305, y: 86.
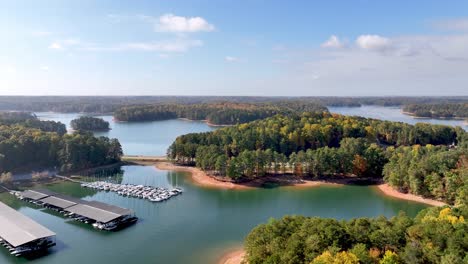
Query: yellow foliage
x: 390, y: 257
x: 445, y: 215
x: 346, y: 258
x: 325, y: 258
x: 340, y: 258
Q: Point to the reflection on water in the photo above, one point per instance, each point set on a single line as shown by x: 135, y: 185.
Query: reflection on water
x: 193, y: 227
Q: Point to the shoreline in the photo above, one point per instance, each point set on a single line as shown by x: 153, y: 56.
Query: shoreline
x: 233, y: 257
x: 455, y: 118
x: 204, y: 121
x: 200, y: 178
x: 389, y: 191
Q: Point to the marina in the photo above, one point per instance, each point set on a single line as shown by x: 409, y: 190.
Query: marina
x: 153, y: 194
x: 22, y: 235
x: 100, y: 215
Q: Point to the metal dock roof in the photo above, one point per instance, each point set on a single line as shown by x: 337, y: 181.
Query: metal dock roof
x: 34, y: 195
x: 18, y: 229
x: 58, y: 202
x: 95, y: 210
x: 94, y: 213
x: 110, y: 208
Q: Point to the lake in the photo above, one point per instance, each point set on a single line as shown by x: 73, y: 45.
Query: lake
x: 201, y: 224
x: 139, y: 138
x: 393, y: 114
x: 195, y: 227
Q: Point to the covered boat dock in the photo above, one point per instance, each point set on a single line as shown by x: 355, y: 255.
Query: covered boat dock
x: 20, y: 234
x: 100, y: 215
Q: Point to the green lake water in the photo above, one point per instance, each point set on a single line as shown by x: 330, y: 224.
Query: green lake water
x: 201, y: 224
x: 195, y: 227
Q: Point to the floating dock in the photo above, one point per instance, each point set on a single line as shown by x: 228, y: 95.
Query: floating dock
x: 21, y: 235
x: 101, y: 215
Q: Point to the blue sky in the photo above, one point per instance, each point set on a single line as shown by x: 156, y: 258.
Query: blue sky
x: 254, y: 47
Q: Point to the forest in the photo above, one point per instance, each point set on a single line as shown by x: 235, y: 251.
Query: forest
x: 439, y: 110
x: 325, y: 145
x: 89, y: 123
x: 25, y: 146
x: 435, y: 235
x: 109, y: 104
x: 224, y: 113
x: 30, y: 120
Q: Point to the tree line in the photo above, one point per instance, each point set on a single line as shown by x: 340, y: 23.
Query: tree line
x: 109, y: 104
x: 435, y: 235
x: 23, y: 147
x: 30, y: 120
x: 429, y: 171
x: 89, y: 123
x: 423, y: 159
x: 224, y: 113
x: 440, y: 110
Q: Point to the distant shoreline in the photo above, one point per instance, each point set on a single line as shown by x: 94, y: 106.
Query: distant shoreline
x: 432, y: 117
x: 203, y: 120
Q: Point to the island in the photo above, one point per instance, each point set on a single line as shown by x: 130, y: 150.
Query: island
x: 222, y: 113
x: 440, y: 110
x: 89, y: 123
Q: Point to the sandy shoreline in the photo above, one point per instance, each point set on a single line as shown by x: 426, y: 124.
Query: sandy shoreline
x: 388, y: 190
x: 233, y: 257
x: 200, y: 178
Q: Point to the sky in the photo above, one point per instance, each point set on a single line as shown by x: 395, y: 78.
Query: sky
x: 235, y: 47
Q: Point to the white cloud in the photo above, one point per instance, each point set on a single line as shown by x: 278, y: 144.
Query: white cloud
x: 44, y: 68
x: 167, y: 46
x: 179, y: 24
x: 376, y: 65
x: 373, y: 42
x: 180, y: 45
x: 164, y: 46
x: 333, y: 42
x: 231, y: 59
x: 453, y: 24
x: 56, y: 46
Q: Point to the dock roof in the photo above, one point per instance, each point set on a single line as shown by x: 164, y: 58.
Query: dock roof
x: 18, y: 229
x: 110, y: 208
x: 34, y: 195
x: 58, y: 202
x: 94, y: 213
x: 95, y: 210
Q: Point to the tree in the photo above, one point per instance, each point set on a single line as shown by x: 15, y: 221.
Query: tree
x: 390, y: 258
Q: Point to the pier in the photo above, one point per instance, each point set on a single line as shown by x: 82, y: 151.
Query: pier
x: 21, y: 235
x: 101, y: 215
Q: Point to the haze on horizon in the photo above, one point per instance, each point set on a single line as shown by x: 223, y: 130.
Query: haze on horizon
x: 252, y: 48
